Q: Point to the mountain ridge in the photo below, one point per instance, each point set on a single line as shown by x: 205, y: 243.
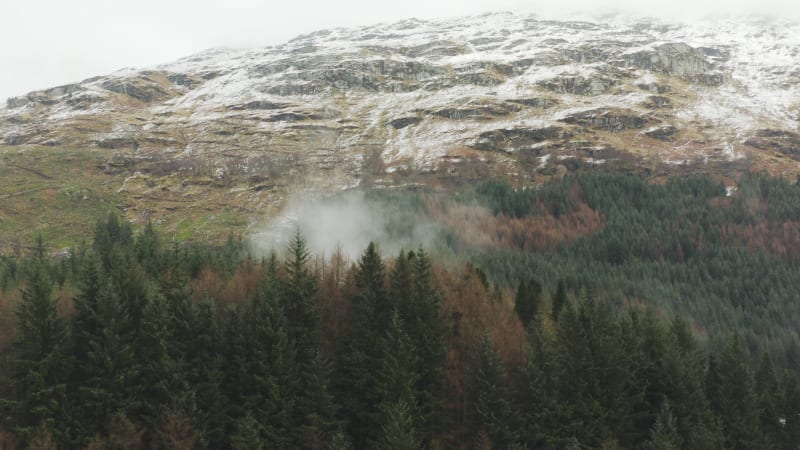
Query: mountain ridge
x: 429, y: 102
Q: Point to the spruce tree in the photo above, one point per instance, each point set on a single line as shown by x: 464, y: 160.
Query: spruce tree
x: 490, y: 399
x: 559, y: 299
x: 664, y: 434
x: 38, y: 363
x: 359, y: 355
x: 427, y: 333
x: 731, y: 390
x: 271, y: 371
x: 528, y: 300
x: 398, y: 431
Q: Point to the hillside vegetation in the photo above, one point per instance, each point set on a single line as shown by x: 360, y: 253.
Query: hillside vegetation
x: 593, y: 312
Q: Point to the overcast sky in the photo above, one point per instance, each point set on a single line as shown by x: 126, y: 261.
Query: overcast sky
x: 44, y: 43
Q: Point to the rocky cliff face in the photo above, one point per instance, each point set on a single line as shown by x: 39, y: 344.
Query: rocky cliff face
x: 493, y: 94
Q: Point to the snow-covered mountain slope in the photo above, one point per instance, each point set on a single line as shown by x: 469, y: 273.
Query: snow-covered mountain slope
x: 498, y: 93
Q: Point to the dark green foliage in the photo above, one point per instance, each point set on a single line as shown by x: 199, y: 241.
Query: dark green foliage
x: 528, y: 300
x: 559, y: 299
x: 732, y: 395
x: 399, y: 432
x: 360, y: 358
x: 490, y: 398
x: 141, y: 355
x: 37, y: 363
x: 664, y: 435
x: 681, y: 246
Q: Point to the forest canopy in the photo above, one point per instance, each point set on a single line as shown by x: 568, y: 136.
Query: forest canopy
x: 599, y: 311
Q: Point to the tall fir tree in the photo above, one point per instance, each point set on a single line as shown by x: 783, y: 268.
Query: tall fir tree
x: 490, y: 400
x: 38, y: 363
x: 528, y: 300
x: 359, y: 355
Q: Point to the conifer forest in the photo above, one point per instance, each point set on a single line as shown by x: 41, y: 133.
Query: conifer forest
x: 597, y: 311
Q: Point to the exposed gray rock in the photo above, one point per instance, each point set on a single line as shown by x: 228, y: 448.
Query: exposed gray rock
x: 487, y: 111
x: 658, y: 101
x: 656, y: 88
x: 662, y: 133
x: 612, y: 120
x: 534, y: 102
x: 16, y: 102
x: 403, y: 122
x: 142, y: 89
x: 710, y: 79
x: 118, y: 143
x: 578, y: 85
x: 84, y: 101
x: 677, y: 59
x: 433, y: 49
x: 517, y: 139
x: 782, y: 141
x: 258, y: 105
x: 181, y: 79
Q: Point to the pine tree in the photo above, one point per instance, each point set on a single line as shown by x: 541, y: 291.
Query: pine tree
x: 559, y: 299
x: 360, y: 356
x: 271, y: 371
x: 314, y: 414
x: 399, y: 432
x: 731, y: 389
x: 769, y: 394
x: 299, y: 299
x: 38, y: 363
x: 490, y: 398
x: 427, y: 333
x: 528, y: 300
x: 248, y: 435
x: 206, y: 376
x: 94, y: 327
x: 664, y: 434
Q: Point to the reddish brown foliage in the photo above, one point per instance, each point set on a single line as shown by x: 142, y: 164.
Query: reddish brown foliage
x: 237, y: 289
x: 781, y: 239
x: 479, y: 227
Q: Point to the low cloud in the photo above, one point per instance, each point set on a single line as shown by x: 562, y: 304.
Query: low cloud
x: 348, y: 223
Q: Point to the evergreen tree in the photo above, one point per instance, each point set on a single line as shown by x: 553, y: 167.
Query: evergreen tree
x: 38, y: 363
x: 300, y: 300
x: 559, y: 299
x: 272, y: 372
x: 731, y: 391
x: 664, y: 434
x: 94, y: 325
x: 206, y: 376
x: 427, y: 333
x: 360, y: 356
x: 399, y: 432
x: 768, y: 392
x: 490, y: 399
x: 528, y: 300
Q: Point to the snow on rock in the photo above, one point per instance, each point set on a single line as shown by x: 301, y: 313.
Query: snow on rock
x: 416, y: 92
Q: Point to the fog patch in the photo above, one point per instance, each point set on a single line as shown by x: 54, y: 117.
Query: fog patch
x: 347, y: 223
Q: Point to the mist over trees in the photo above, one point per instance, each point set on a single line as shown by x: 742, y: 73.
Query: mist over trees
x: 592, y: 341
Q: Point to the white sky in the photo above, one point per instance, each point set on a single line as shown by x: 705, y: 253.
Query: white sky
x: 44, y: 43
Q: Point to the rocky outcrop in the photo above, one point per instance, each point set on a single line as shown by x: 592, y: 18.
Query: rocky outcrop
x: 578, y: 85
x: 611, y: 120
x: 490, y: 95
x: 518, y: 139
x: 477, y: 111
x: 663, y: 133
x: 677, y: 59
x: 534, y: 102
x: 403, y: 122
x: 786, y: 142
x: 658, y: 102
x: 144, y: 88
